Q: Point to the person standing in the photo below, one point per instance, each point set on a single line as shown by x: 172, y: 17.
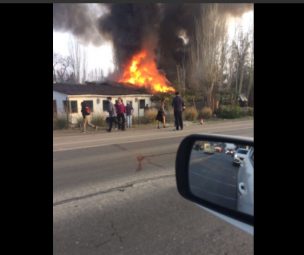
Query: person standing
x: 120, y: 110
x: 178, y: 106
x: 161, y: 115
x: 129, y: 112
x: 86, y: 114
x: 112, y: 113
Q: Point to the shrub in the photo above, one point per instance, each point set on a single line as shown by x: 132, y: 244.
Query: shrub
x: 190, y: 113
x: 140, y: 120
x: 230, y: 111
x: 205, y: 113
x: 150, y: 115
x: 98, y: 121
x: 60, y: 123
x: 250, y: 111
x: 246, y: 111
x: 170, y: 115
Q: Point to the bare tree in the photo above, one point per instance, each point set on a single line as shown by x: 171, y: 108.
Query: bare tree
x: 208, y: 52
x: 181, y: 77
x: 242, y: 52
x: 75, y: 54
x: 55, y: 63
x: 62, y: 68
x: 79, y: 62
x: 249, y: 93
x: 84, y: 65
x: 96, y: 75
x: 241, y: 64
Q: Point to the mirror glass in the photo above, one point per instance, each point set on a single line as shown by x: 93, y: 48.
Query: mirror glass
x: 222, y: 173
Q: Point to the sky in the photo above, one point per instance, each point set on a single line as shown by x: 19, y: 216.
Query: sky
x: 245, y: 21
x: 97, y: 57
x: 102, y: 56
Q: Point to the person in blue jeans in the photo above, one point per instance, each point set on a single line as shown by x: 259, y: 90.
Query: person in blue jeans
x: 129, y: 113
x: 112, y: 113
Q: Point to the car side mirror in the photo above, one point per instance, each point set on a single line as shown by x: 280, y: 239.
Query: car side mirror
x: 217, y: 173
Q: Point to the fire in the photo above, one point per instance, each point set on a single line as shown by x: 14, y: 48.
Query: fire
x: 142, y: 72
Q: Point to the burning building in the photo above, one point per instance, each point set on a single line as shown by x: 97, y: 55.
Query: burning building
x: 146, y: 37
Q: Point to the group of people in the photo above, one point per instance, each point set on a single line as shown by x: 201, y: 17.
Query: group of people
x: 119, y: 113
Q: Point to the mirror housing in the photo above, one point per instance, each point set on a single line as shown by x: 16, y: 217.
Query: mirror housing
x: 185, y: 182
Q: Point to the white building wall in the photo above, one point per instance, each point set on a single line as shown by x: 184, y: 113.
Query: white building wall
x: 135, y: 102
x: 59, y: 97
x: 97, y: 104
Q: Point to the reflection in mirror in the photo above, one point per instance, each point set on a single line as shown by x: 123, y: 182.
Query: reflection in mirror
x: 222, y: 173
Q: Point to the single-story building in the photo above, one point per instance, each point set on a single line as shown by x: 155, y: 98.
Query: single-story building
x: 67, y: 98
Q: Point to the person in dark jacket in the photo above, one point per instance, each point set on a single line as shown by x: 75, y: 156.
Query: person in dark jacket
x: 129, y: 113
x: 161, y: 115
x: 178, y: 106
x: 112, y: 113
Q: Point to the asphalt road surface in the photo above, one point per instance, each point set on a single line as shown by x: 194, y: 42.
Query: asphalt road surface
x: 115, y: 193
x: 218, y: 175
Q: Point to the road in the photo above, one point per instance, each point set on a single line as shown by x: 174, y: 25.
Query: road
x: 115, y: 193
x: 218, y: 175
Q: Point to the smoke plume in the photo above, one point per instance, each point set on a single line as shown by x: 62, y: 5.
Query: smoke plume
x: 160, y: 28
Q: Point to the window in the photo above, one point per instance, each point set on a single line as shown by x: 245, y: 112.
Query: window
x: 54, y: 108
x: 142, y: 103
x: 71, y: 108
x: 90, y: 104
x: 65, y: 105
x: 74, y: 108
x: 105, y: 105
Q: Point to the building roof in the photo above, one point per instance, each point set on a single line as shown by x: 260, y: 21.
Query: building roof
x: 243, y: 98
x: 104, y: 88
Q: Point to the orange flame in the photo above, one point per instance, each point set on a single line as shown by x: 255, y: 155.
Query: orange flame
x: 142, y: 72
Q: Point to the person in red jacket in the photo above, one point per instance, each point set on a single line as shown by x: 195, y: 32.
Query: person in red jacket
x: 86, y: 114
x: 120, y: 110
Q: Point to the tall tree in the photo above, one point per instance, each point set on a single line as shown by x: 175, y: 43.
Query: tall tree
x: 78, y: 56
x: 75, y: 54
x: 84, y: 65
x: 208, y: 52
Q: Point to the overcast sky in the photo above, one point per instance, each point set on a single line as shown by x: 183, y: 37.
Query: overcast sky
x: 97, y: 57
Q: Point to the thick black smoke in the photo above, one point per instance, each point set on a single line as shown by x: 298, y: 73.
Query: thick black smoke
x: 131, y: 27
x: 80, y: 20
x: 177, y: 17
